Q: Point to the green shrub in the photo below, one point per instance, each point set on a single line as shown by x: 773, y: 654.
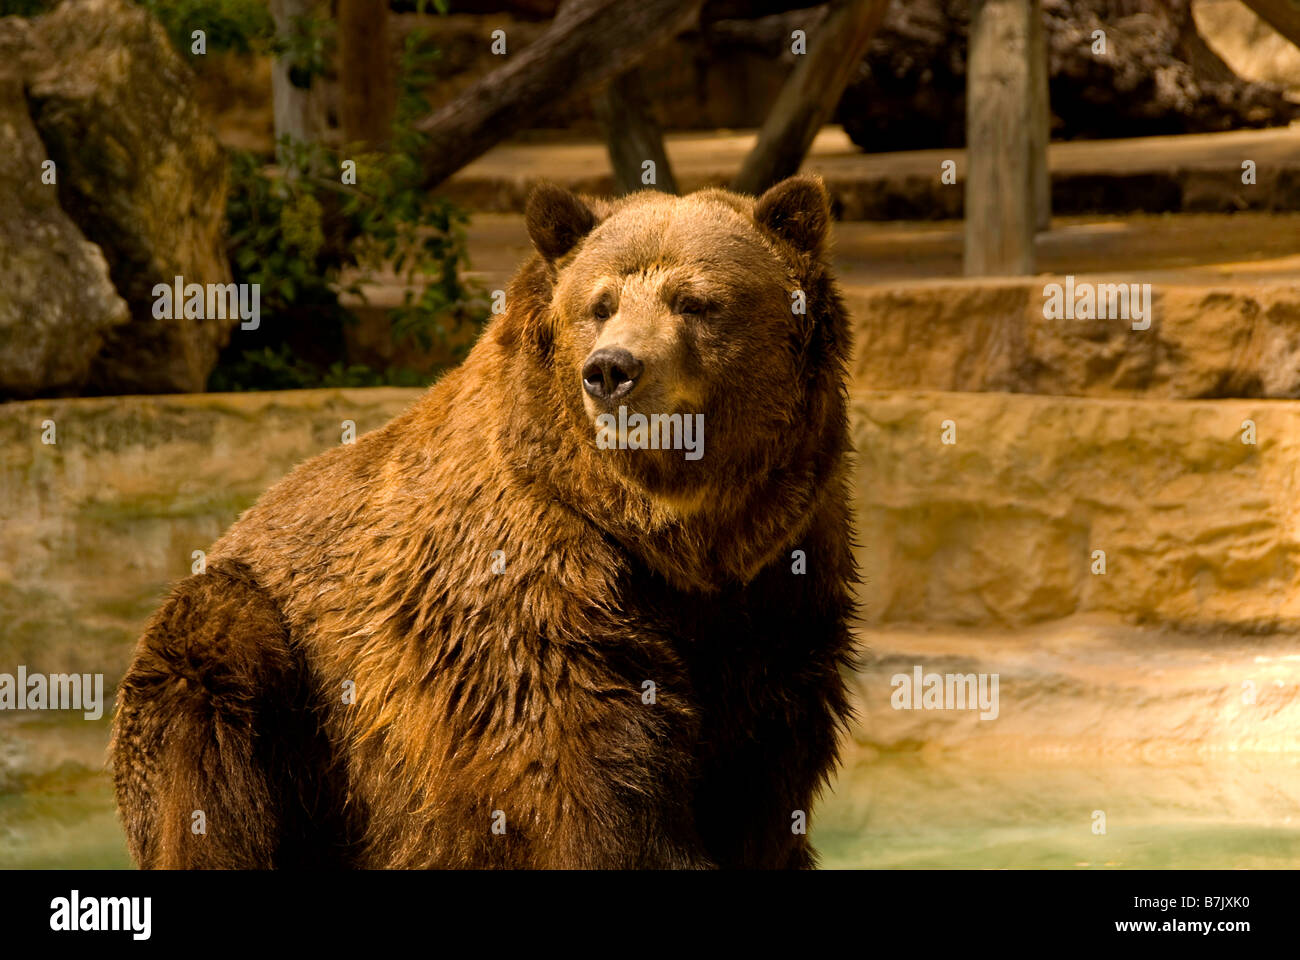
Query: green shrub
x: 294, y: 229
x: 25, y: 8
x: 243, y: 26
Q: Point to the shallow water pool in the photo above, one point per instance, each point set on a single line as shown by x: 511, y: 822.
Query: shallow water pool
x: 888, y: 811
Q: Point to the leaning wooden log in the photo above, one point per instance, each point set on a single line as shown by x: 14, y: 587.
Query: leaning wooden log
x: 588, y: 42
x: 1282, y: 15
x: 811, y: 93
x: 633, y: 135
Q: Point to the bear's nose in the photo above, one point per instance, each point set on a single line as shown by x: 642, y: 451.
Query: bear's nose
x: 610, y: 373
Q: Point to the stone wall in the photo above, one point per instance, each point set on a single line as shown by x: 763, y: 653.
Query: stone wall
x: 1203, y: 341
x: 1199, y: 529
x: 98, y: 523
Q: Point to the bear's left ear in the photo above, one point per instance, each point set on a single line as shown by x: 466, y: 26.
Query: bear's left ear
x: 556, y: 220
x: 798, y: 210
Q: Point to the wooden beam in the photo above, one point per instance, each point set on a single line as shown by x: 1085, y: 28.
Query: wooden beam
x: 1001, y: 158
x: 632, y: 134
x: 588, y: 42
x: 1042, y: 118
x: 1282, y: 15
x: 811, y: 93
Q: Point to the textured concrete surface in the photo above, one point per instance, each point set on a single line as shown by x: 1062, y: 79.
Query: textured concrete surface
x: 1000, y: 527
x: 99, y: 522
x: 1221, y: 340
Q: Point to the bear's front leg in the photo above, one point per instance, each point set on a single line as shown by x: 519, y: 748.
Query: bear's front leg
x: 218, y: 757
x: 623, y: 788
x: 570, y: 763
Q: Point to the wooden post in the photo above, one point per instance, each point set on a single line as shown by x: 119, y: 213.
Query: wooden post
x: 809, y: 96
x: 297, y: 111
x: 1001, y: 181
x: 632, y: 134
x: 366, y: 91
x: 1042, y: 113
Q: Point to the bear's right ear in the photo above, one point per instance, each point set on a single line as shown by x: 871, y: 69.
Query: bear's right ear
x: 556, y: 220
x: 798, y: 210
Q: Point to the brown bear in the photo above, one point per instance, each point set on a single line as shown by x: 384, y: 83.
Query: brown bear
x: 515, y: 627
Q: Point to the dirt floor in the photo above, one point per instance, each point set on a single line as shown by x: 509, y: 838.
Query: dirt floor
x: 719, y: 153
x: 1198, y: 173
x: 1171, y: 248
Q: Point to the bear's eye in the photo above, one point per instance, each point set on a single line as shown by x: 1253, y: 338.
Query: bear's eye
x: 689, y: 305
x: 601, y: 310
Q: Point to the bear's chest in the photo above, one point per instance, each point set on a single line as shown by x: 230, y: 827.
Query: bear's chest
x: 740, y: 652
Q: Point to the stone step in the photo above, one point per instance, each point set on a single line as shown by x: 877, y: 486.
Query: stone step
x: 1196, y: 340
x: 1084, y: 687
x: 1114, y: 745
x: 1185, y: 173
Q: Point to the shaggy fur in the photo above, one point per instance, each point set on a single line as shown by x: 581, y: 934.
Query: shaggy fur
x: 518, y: 697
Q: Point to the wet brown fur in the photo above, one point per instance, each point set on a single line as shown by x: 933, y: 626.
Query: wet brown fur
x: 522, y: 691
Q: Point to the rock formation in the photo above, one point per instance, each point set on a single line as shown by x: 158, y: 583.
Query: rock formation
x: 140, y: 175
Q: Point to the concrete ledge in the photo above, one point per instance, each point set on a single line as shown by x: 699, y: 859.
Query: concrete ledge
x: 999, y: 528
x: 1199, y: 529
x: 98, y: 523
x: 1221, y: 340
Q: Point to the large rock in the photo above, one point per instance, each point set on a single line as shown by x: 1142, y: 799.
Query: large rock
x: 1156, y: 76
x: 56, y: 299
x: 141, y: 174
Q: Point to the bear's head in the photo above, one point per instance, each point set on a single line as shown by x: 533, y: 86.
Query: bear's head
x: 677, y: 370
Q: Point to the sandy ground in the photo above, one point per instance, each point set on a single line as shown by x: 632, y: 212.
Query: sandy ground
x: 712, y: 154
x: 1169, y: 248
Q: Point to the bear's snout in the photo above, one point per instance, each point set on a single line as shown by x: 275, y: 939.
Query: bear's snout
x: 610, y: 373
